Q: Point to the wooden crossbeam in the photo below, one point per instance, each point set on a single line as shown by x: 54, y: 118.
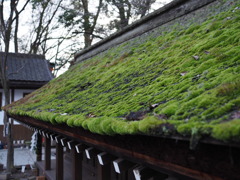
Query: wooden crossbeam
x: 105, y: 158
x: 40, y: 131
x: 64, y: 141
x: 71, y: 144
x: 47, y: 134
x: 121, y: 165
x: 144, y: 173
x: 58, y: 139
x: 80, y: 148
x: 43, y: 133
x: 52, y: 136
x: 91, y: 152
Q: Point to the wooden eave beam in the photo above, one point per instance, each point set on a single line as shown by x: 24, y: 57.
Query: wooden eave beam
x: 101, y: 143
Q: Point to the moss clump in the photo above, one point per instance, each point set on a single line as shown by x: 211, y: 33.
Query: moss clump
x: 185, y: 80
x: 227, y: 130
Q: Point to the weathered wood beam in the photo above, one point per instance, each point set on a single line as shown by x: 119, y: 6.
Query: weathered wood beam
x: 144, y: 173
x: 91, y: 152
x: 104, y: 166
x: 80, y: 148
x: 59, y: 162
x: 47, y: 135
x: 76, y: 164
x: 43, y: 133
x: 39, y: 147
x: 40, y: 131
x: 115, y: 145
x: 71, y: 144
x: 121, y: 165
x: 53, y: 136
x: 47, y: 154
x: 58, y: 139
x: 105, y: 158
x: 64, y: 141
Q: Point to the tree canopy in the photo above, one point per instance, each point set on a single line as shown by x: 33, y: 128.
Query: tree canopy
x: 58, y: 29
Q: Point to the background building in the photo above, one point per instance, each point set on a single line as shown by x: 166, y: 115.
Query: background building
x: 26, y: 72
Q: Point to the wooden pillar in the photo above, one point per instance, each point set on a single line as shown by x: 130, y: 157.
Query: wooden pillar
x: 47, y: 153
x: 91, y: 154
x: 39, y: 147
x: 123, y: 167
x: 59, y: 162
x: 76, y: 164
x: 104, y: 166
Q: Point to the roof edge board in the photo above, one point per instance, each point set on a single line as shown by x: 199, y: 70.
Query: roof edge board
x: 42, y: 57
x: 204, y: 140
x: 101, y: 143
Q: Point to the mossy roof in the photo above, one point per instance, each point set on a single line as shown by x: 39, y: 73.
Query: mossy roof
x: 178, y: 80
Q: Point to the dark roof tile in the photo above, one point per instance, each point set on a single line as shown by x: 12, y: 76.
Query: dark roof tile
x: 27, y: 67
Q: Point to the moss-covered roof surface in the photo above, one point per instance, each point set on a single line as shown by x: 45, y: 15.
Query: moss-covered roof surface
x: 179, y: 81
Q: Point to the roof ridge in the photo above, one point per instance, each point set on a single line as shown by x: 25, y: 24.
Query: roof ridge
x: 24, y: 55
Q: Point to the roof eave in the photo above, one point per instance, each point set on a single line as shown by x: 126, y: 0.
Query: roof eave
x: 26, y: 84
x: 148, y: 150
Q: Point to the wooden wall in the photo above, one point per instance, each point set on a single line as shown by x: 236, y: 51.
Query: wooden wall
x: 19, y: 133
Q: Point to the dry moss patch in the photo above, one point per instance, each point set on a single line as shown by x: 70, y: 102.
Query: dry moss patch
x: 183, y: 81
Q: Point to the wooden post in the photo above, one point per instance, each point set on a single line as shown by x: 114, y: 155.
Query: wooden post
x: 91, y: 154
x: 76, y: 164
x: 39, y: 147
x: 104, y: 172
x: 104, y: 166
x: 47, y: 153
x: 122, y: 167
x: 59, y: 162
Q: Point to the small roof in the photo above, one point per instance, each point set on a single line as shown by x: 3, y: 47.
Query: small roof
x: 27, y: 67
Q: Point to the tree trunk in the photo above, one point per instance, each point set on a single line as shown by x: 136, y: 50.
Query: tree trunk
x: 7, y: 123
x: 145, y: 6
x: 5, y: 30
x: 16, y: 32
x: 124, y: 14
x: 5, y: 83
x: 86, y: 25
x: 10, y: 153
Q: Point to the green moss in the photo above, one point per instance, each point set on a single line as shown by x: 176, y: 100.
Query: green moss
x: 170, y: 109
x: 149, y: 122
x: 195, y: 96
x: 227, y: 131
